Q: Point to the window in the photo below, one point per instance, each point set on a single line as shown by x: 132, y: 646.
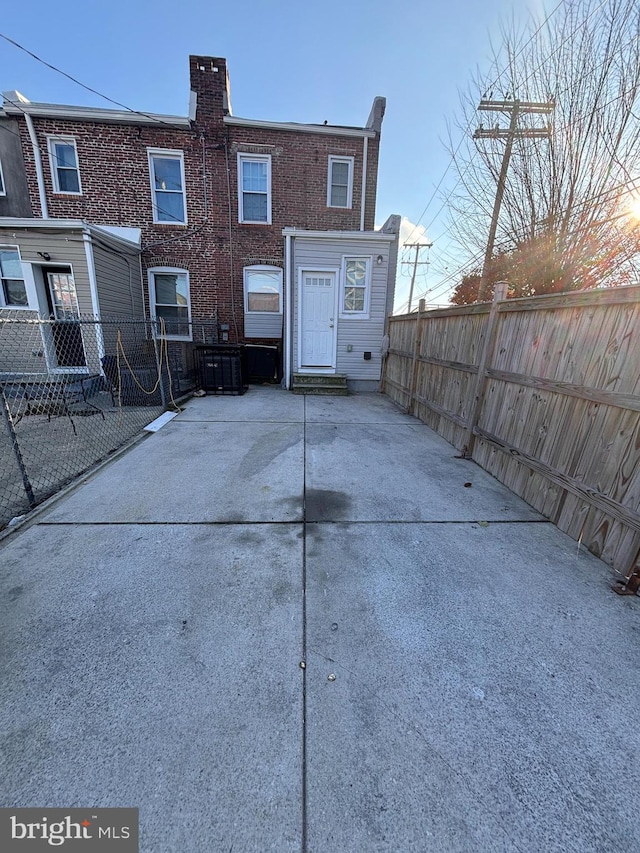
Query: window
x: 166, y: 169
x: 254, y: 188
x: 170, y: 302
x: 340, y: 182
x: 14, y: 292
x: 263, y: 290
x: 63, y: 156
x: 355, y: 290
x: 2, y: 188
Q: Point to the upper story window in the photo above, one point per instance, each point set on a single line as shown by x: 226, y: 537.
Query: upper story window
x: 63, y: 156
x: 254, y: 188
x: 170, y: 302
x: 166, y: 169
x: 356, y: 287
x: 263, y: 290
x: 340, y: 182
x: 13, y: 292
x: 2, y: 187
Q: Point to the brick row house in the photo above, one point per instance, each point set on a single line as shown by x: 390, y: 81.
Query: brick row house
x: 222, y: 228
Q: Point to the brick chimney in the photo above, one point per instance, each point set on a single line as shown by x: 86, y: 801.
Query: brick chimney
x: 210, y: 94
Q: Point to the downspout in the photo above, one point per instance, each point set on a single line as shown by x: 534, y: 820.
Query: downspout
x: 38, y: 161
x: 287, y: 316
x: 93, y: 287
x: 365, y: 148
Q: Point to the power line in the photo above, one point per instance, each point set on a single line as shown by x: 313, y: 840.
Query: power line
x: 468, y: 127
x: 516, y: 108
x: 490, y: 85
x: 154, y: 119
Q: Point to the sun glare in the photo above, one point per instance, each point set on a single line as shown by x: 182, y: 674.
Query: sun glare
x: 634, y: 207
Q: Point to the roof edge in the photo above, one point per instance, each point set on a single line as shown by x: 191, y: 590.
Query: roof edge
x: 331, y: 129
x: 93, y: 114
x: 340, y: 235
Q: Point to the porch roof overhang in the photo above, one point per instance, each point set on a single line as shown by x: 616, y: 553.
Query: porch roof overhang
x: 340, y: 235
x: 118, y: 236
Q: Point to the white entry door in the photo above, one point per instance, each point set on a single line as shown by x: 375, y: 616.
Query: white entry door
x: 317, y: 325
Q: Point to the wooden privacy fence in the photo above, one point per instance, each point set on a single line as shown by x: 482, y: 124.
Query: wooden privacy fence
x: 544, y: 393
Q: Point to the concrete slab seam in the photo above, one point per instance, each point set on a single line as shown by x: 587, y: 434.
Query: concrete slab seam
x: 304, y: 627
x: 31, y: 518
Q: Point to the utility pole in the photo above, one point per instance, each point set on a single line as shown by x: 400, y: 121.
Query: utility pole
x: 516, y: 108
x: 416, y: 263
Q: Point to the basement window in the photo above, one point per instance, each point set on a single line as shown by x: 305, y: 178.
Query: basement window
x: 63, y: 157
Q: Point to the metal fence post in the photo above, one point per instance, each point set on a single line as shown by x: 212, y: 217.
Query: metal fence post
x: 6, y: 412
x: 154, y: 335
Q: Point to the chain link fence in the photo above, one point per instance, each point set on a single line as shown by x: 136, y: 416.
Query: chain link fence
x: 73, y: 391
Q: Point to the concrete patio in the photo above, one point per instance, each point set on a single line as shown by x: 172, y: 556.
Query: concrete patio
x: 471, y: 683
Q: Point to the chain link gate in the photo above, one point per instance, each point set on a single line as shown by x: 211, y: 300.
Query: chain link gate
x: 72, y: 392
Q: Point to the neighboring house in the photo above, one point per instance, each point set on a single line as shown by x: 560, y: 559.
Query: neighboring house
x: 212, y: 195
x: 14, y: 190
x: 64, y: 269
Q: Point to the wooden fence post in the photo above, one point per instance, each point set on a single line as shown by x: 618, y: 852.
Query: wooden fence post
x: 486, y: 353
x: 415, y: 364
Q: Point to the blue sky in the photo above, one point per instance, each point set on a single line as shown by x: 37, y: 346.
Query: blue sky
x: 288, y: 61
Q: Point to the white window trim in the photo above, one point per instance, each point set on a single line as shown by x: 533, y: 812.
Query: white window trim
x: 336, y: 158
x: 27, y: 278
x: 259, y: 158
x: 69, y: 140
x: 151, y: 273
x: 170, y: 153
x: 365, y: 313
x: 3, y: 189
x: 262, y: 268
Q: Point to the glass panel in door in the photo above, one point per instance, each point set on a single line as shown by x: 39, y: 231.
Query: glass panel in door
x: 67, y: 333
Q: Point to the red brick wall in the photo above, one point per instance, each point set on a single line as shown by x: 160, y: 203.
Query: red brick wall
x: 114, y: 173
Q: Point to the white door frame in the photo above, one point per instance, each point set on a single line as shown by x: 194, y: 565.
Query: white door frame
x: 336, y: 273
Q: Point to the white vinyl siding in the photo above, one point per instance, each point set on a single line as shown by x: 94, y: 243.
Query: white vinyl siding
x: 340, y: 182
x: 362, y: 334
x: 254, y: 188
x: 168, y: 198
x: 118, y: 282
x: 65, y: 170
x: 170, y: 302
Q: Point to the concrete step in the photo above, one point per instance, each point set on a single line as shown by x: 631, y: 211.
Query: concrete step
x: 327, y: 390
x: 318, y: 379
x: 320, y: 383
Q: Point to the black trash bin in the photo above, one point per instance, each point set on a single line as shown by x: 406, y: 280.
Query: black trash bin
x: 263, y: 363
x: 219, y: 369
